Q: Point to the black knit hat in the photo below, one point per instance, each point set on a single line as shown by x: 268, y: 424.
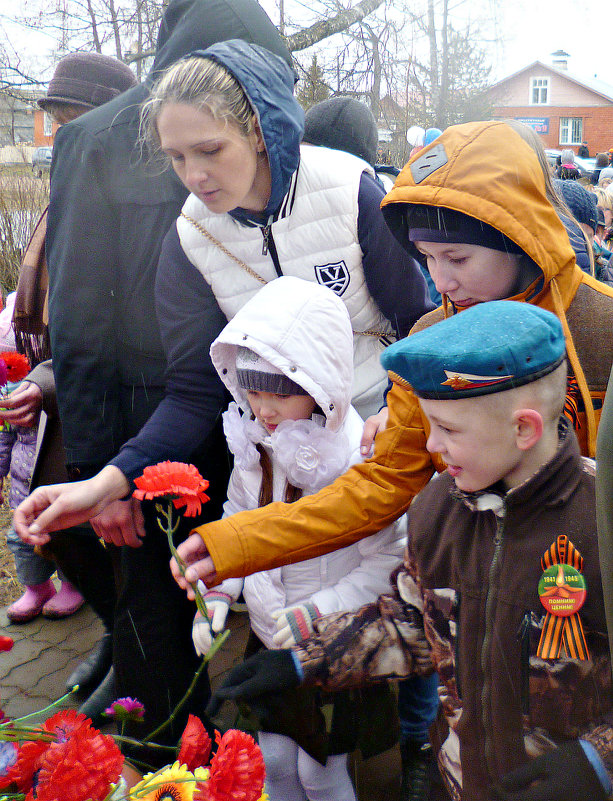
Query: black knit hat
x: 583, y: 204
x: 88, y: 79
x: 343, y: 123
x: 411, y: 222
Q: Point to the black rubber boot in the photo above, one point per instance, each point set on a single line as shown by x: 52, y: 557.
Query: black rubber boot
x: 100, y: 699
x: 92, y: 670
x: 417, y: 760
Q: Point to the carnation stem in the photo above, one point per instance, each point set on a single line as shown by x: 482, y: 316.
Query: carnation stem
x: 11, y: 723
x: 169, y: 530
x: 120, y: 739
x: 219, y: 640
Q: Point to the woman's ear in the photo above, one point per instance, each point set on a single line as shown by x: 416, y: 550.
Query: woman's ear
x: 260, y: 144
x: 528, y: 428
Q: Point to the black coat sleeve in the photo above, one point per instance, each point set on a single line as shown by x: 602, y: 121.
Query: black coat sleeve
x: 393, y: 277
x: 190, y: 319
x: 82, y: 258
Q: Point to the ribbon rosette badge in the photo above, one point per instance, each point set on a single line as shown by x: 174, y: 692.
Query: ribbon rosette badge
x: 562, y: 590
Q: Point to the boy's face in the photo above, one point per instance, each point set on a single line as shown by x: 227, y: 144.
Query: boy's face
x: 476, y: 440
x: 470, y: 274
x: 271, y: 409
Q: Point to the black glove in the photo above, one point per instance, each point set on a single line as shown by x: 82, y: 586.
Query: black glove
x: 564, y: 774
x: 265, y: 672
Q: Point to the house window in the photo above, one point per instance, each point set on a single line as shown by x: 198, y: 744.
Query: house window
x: 47, y: 124
x: 571, y: 130
x: 539, y: 91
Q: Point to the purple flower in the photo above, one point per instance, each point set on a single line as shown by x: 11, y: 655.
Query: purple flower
x: 125, y: 709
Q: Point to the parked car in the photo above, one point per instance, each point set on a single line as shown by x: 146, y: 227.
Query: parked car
x: 585, y: 166
x: 41, y: 160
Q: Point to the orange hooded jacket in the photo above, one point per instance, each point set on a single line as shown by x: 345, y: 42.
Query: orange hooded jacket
x: 485, y: 170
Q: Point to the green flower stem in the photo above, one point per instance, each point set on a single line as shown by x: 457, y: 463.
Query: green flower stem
x: 219, y: 640
x: 120, y: 739
x: 169, y: 529
x: 13, y: 725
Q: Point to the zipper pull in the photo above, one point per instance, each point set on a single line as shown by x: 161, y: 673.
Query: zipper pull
x: 265, y: 236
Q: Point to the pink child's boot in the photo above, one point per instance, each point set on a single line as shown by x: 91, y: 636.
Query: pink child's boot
x: 31, y: 603
x: 64, y: 603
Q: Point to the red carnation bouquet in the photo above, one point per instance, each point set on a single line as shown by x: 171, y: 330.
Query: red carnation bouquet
x: 68, y: 759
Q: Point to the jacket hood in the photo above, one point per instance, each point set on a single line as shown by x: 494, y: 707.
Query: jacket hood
x: 487, y: 171
x: 189, y: 25
x: 304, y: 330
x: 268, y: 83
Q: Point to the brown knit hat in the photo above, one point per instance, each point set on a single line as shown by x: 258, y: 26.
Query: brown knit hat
x: 88, y: 79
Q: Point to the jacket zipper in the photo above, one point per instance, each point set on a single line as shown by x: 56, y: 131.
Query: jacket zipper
x: 456, y: 646
x: 269, y: 246
x: 523, y: 635
x: 485, y: 648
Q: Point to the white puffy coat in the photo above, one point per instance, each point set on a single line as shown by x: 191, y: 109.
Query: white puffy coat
x: 304, y: 330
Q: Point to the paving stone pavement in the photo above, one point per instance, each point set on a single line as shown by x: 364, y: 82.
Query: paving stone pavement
x: 35, y: 671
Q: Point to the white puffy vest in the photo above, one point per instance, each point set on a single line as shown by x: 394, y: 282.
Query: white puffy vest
x: 316, y: 239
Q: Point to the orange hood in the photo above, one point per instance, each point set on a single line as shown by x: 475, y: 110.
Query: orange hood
x: 487, y: 171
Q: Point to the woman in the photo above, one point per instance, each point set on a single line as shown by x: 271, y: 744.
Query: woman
x: 260, y: 207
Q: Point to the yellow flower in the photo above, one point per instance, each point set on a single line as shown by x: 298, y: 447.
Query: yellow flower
x: 172, y: 783
x: 264, y: 796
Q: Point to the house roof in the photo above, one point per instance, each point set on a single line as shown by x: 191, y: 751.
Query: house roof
x: 593, y: 84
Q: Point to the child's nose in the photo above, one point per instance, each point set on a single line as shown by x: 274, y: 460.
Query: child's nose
x: 443, y: 280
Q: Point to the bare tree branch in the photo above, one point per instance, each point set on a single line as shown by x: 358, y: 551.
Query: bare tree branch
x: 328, y: 27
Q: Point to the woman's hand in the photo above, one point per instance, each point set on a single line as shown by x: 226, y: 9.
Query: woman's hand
x: 22, y: 407
x: 60, y: 506
x: 121, y: 523
x: 372, y: 427
x: 194, y: 553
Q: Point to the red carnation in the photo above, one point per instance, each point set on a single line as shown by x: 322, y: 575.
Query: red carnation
x: 195, y: 744
x: 84, y: 768
x: 237, y: 770
x: 17, y: 365
x: 78, y: 765
x: 6, y: 643
x: 182, y: 482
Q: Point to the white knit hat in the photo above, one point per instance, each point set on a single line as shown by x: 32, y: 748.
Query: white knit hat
x: 256, y: 374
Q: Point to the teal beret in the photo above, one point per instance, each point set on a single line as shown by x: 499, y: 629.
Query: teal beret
x: 489, y: 347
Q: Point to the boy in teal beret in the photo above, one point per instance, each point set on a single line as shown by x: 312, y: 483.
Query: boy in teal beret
x: 500, y: 591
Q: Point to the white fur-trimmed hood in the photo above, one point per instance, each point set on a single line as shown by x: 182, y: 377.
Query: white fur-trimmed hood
x: 304, y: 330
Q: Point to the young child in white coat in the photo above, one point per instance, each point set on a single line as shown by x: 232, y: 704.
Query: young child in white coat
x: 286, y: 357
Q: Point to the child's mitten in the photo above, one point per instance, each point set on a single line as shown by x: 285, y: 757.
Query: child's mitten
x: 217, y: 605
x: 294, y: 624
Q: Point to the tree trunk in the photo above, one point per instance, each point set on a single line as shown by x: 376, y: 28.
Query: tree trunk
x: 441, y: 107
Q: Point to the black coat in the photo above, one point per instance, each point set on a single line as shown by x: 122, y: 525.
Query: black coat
x: 108, y: 215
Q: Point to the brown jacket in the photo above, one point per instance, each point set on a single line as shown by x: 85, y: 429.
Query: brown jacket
x: 474, y: 573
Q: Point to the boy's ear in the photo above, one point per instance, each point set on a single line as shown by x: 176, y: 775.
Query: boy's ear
x: 528, y: 428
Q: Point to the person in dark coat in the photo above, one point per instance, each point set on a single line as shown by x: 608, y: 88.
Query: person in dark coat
x: 108, y: 214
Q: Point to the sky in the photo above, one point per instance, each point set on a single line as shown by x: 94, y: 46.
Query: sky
x: 526, y: 30
x: 533, y: 29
